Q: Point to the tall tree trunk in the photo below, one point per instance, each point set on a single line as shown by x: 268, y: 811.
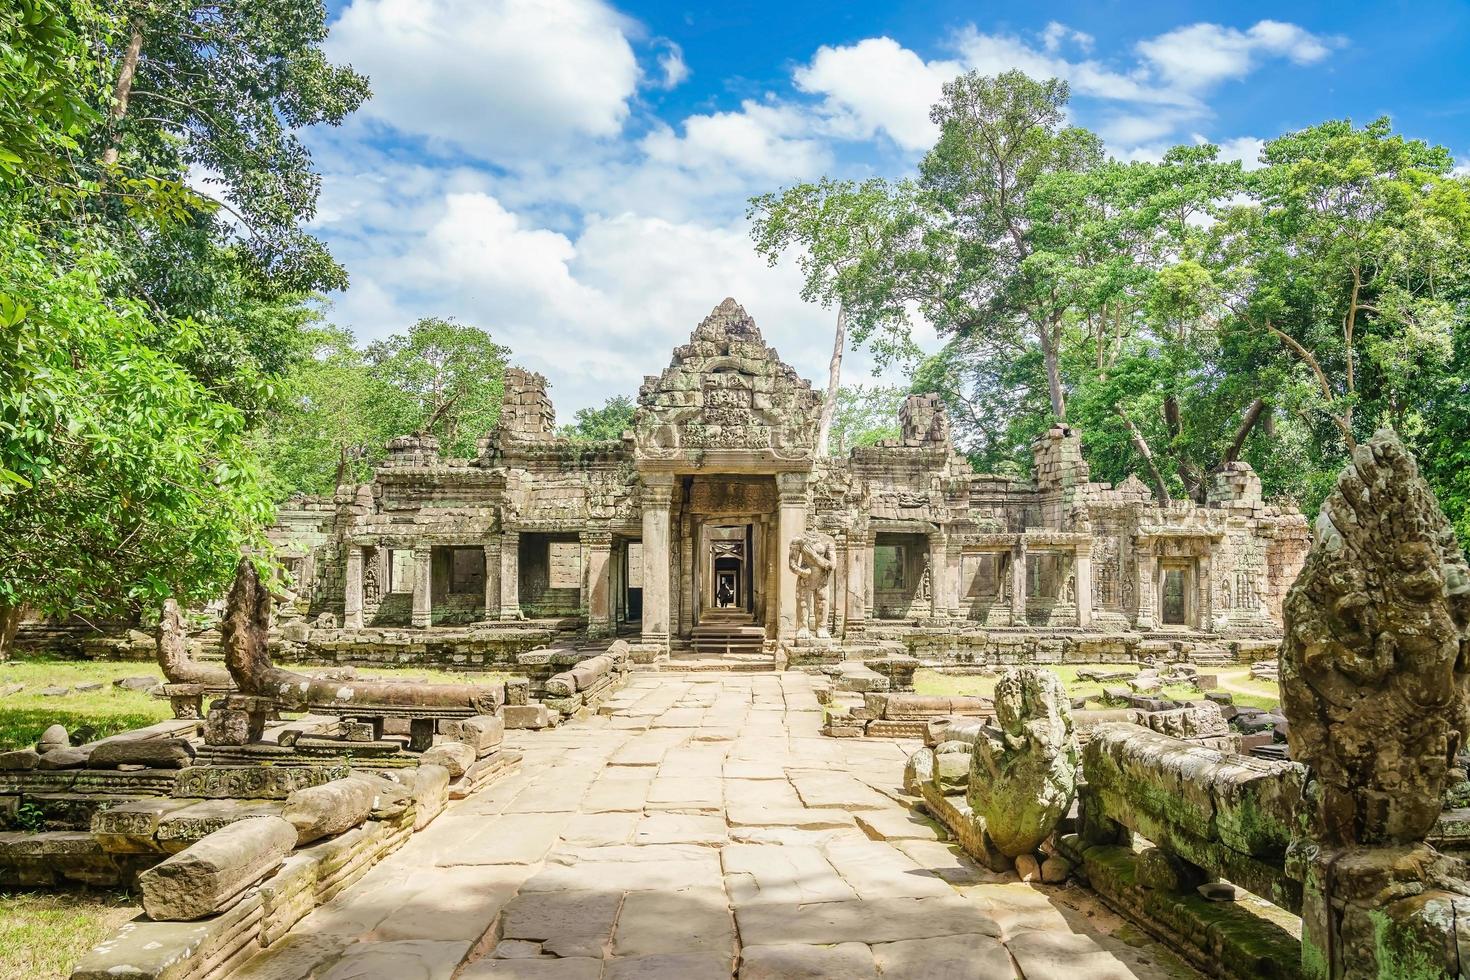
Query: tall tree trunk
x: 1252, y: 413
x: 124, y: 89
x: 1050, y: 342
x: 834, y: 381
x: 1141, y: 445
x: 9, y: 626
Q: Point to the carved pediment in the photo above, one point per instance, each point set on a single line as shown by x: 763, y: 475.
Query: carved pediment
x: 726, y: 391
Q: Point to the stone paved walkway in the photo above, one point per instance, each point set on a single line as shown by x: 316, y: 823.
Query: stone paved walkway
x: 704, y: 830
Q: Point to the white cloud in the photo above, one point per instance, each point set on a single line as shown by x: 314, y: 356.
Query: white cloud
x: 762, y: 140
x: 671, y: 63
x: 498, y: 78
x: 1462, y: 167
x: 1201, y: 56
x: 1246, y: 149
x: 877, y: 85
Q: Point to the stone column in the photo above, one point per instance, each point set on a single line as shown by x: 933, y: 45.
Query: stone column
x: 352, y: 593
x: 1082, y: 581
x: 870, y: 544
x: 598, y: 547
x: 658, y: 495
x: 938, y: 576
x: 1148, y: 603
x: 422, y: 587
x: 510, y: 575
x: 1018, y: 583
x: 954, y: 588
x: 492, y: 580
x: 791, y: 516
x: 859, y: 571
x: 1204, y: 616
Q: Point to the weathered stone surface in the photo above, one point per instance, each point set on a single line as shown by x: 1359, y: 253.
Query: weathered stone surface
x: 180, y: 828
x: 65, y: 758
x: 872, y: 921
x: 248, y: 782
x: 329, y: 809
x: 206, y: 877
x: 54, y: 737
x: 454, y: 756
x: 19, y: 760
x: 483, y: 733
x: 795, y: 961
x: 533, y: 716
x: 704, y: 923
x: 132, y: 828
x: 1372, y: 671
x: 1023, y: 780
x: 950, y: 957
x: 154, y: 753
x: 565, y: 923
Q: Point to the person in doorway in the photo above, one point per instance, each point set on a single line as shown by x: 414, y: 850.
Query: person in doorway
x: 725, y: 594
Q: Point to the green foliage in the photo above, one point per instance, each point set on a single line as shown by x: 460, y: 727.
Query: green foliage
x: 600, y: 424
x: 864, y: 416
x: 45, y: 102
x: 340, y: 405
x: 123, y: 480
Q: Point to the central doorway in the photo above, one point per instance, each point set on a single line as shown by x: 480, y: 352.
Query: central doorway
x: 727, y: 584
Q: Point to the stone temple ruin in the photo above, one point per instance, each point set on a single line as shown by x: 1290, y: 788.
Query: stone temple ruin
x: 688, y: 820
x: 711, y: 530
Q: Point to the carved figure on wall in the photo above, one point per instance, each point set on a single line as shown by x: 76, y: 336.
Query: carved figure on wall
x: 1371, y: 674
x: 370, y: 591
x: 1023, y: 773
x: 812, y: 558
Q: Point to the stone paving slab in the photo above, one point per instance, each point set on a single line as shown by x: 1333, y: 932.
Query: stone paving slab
x: 693, y: 829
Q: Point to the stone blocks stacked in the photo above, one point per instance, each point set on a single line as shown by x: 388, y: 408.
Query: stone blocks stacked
x: 526, y: 411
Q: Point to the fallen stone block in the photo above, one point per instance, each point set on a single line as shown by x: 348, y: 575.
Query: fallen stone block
x: 132, y: 828
x: 152, y: 753
x: 67, y: 758
x: 53, y: 738
x: 21, y: 760
x: 209, y: 875
x: 329, y: 809
x: 454, y: 756
x: 483, y: 733
x: 526, y: 716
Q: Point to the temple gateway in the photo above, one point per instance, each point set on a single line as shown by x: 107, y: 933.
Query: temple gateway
x: 713, y: 530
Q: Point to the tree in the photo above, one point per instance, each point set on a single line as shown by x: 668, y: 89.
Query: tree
x: 842, y: 230
x: 865, y: 415
x: 600, y: 424
x: 1353, y: 255
x: 219, y: 89
x: 444, y: 379
x: 969, y: 258
x: 122, y: 480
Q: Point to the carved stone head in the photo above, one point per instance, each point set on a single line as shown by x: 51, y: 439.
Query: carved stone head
x: 1374, y: 662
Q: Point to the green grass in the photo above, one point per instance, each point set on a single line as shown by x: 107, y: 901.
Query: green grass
x: 1235, y: 679
x: 44, y: 934
x: 92, y: 714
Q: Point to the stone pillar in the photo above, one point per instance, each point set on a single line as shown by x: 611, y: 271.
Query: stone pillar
x: 955, y: 588
x: 1018, y: 583
x: 870, y: 544
x: 510, y: 575
x: 1082, y: 580
x: 658, y: 495
x: 598, y: 547
x: 492, y: 580
x: 1204, y: 605
x: 422, y: 587
x: 938, y: 576
x: 859, y: 571
x: 791, y: 516
x: 352, y: 593
x: 1148, y: 602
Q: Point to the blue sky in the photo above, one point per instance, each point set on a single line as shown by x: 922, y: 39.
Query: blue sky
x: 571, y: 174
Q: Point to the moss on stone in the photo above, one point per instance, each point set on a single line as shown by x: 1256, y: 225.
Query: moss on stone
x: 1399, y: 951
